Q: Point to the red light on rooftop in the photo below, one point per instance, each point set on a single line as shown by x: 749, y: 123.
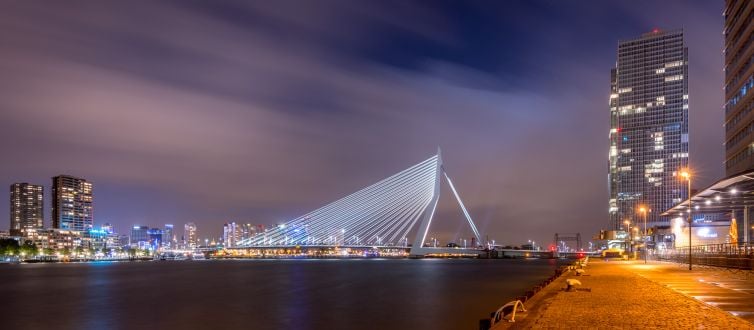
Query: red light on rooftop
x: 655, y: 30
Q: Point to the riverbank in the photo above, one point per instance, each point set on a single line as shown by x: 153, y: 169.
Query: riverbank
x: 624, y: 295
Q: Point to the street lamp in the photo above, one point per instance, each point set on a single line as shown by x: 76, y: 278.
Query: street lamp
x: 687, y: 175
x: 628, y: 238
x: 644, y: 210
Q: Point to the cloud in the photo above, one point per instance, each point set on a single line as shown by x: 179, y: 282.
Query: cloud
x: 262, y: 112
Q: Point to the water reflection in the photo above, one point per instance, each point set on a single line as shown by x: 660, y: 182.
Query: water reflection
x: 264, y: 294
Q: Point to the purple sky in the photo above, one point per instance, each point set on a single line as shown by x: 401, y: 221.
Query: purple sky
x: 179, y: 112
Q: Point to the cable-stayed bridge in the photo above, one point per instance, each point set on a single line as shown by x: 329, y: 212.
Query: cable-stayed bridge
x: 380, y: 215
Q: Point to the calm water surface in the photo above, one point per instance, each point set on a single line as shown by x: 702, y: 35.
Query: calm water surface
x: 263, y: 294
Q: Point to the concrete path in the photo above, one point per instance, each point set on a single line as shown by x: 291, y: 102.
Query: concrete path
x: 631, y: 295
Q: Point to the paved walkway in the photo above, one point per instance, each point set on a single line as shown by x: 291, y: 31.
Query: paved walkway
x: 729, y: 290
x: 631, y: 295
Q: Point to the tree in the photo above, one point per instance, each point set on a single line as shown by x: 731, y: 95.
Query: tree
x: 49, y: 251
x: 28, y: 249
x: 67, y: 251
x: 9, y: 246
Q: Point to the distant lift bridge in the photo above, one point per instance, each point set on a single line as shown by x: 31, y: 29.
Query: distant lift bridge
x: 381, y: 214
x: 568, y: 237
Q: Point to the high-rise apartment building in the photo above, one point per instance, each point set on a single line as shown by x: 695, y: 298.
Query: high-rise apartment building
x: 649, y: 141
x: 189, y: 235
x: 72, y: 203
x: 235, y: 232
x: 739, y: 82
x: 26, y: 208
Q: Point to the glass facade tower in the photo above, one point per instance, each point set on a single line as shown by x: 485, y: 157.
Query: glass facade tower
x: 649, y: 141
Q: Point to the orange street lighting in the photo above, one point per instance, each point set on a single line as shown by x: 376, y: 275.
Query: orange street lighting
x: 687, y: 175
x: 644, y: 210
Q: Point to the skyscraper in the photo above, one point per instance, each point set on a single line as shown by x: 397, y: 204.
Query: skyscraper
x: 72, y: 203
x: 234, y: 232
x: 26, y: 208
x: 189, y: 234
x: 739, y: 81
x: 649, y: 141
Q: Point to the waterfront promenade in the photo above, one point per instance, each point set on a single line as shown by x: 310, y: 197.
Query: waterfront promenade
x: 631, y: 295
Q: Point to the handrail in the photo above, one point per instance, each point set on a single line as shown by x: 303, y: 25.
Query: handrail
x: 509, y: 309
x: 725, y: 255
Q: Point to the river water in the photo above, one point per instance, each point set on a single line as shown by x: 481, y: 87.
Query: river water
x: 263, y: 294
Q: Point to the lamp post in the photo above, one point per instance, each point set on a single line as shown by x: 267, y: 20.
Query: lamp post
x: 643, y: 210
x: 687, y: 175
x: 628, y: 238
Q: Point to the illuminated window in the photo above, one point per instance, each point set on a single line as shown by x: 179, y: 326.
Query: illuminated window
x: 625, y: 90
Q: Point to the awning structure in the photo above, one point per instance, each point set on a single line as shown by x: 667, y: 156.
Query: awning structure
x: 729, y: 194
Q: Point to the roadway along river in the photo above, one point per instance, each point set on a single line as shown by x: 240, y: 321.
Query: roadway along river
x: 263, y: 294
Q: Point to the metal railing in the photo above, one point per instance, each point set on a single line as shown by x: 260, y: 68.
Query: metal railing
x: 729, y: 255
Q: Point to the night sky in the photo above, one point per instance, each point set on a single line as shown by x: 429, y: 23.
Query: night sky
x: 217, y: 111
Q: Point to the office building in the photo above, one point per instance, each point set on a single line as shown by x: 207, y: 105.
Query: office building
x: 649, y: 140
x: 739, y: 81
x: 26, y: 208
x: 139, y: 234
x: 72, y: 203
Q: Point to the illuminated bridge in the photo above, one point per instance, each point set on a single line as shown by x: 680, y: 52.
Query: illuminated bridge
x: 380, y: 215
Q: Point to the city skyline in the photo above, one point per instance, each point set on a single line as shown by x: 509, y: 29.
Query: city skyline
x: 268, y: 128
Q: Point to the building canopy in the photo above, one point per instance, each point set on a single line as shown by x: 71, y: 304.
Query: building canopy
x: 729, y: 194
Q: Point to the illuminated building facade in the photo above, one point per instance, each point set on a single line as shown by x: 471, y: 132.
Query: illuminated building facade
x: 167, y: 236
x: 739, y: 81
x: 649, y: 141
x: 72, y: 203
x: 26, y: 208
x: 248, y: 230
x: 235, y: 232
x: 190, y: 235
x: 155, y: 238
x: 139, y: 235
x: 56, y: 239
